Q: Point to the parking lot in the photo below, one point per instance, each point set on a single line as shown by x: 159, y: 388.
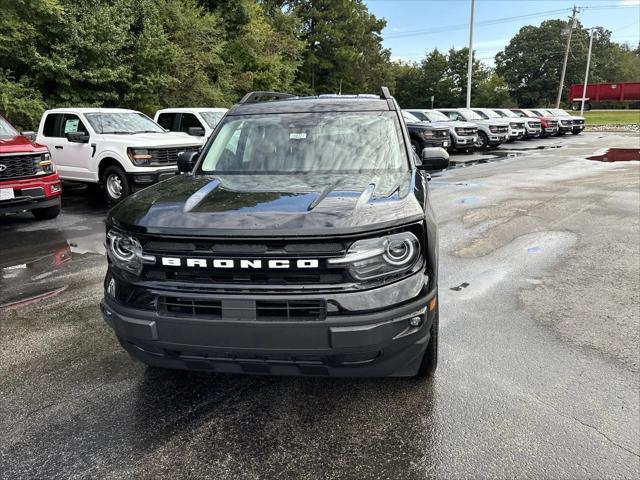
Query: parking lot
x: 538, y: 375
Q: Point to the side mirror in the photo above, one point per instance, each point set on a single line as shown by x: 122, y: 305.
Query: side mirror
x: 434, y: 158
x: 30, y: 135
x: 77, y: 137
x: 187, y: 161
x: 196, y: 131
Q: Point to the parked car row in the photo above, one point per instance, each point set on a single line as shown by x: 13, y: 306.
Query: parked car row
x: 124, y: 150
x: 482, y: 128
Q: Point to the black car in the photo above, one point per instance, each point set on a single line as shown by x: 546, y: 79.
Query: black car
x: 427, y: 135
x: 300, y: 241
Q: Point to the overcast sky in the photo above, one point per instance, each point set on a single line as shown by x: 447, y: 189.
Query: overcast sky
x: 407, y: 21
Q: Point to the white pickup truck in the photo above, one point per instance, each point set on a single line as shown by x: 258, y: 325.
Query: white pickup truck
x: 194, y: 121
x: 121, y: 150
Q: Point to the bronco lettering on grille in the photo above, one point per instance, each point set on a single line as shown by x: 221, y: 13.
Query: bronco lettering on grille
x: 242, y: 263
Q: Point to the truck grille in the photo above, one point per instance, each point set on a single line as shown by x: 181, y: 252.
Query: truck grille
x: 467, y: 131
x: 260, y: 310
x: 169, y: 155
x: 516, y: 125
x: 17, y: 166
x: 578, y: 122
x: 552, y: 123
x: 500, y: 129
x: 441, y: 133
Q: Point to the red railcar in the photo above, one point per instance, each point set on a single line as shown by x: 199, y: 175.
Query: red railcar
x: 604, y: 92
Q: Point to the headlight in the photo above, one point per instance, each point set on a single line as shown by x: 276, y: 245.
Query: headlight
x: 43, y: 164
x: 140, y: 157
x: 379, y: 257
x: 428, y: 133
x: 126, y: 252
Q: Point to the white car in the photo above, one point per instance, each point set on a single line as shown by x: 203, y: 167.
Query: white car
x: 198, y: 122
x: 577, y: 122
x: 516, y: 126
x: 122, y: 150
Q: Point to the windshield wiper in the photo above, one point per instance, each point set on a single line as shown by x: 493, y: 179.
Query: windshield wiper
x: 147, y: 131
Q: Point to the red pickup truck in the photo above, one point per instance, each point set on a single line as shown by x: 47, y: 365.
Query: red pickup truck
x: 28, y: 178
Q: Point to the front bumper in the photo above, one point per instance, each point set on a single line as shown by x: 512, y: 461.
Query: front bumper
x: 465, y: 141
x: 140, y: 180
x: 369, y: 343
x: 31, y: 193
x: 550, y: 130
x: 437, y: 142
x: 577, y: 128
x: 497, y: 139
x: 516, y: 134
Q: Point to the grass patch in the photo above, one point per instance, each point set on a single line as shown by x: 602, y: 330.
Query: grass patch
x: 612, y: 117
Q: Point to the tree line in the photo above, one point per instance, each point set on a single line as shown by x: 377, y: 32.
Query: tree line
x: 150, y: 54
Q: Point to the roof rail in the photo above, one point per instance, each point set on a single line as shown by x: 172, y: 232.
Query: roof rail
x: 253, y: 97
x: 385, y: 95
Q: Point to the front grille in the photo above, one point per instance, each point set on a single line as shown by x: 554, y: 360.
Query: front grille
x: 552, y: 123
x: 534, y: 125
x: 260, y: 310
x: 501, y: 129
x: 168, y: 155
x: 248, y: 278
x: 441, y: 133
x: 189, y: 307
x: 18, y: 166
x: 578, y: 122
x: 467, y: 131
x: 516, y: 125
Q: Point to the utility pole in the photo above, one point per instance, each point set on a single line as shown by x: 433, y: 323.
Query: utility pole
x: 470, y: 66
x: 572, y: 25
x: 586, y: 73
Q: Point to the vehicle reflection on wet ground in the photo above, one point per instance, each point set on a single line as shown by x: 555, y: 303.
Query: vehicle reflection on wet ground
x: 36, y: 256
x: 617, y: 155
x: 534, y: 381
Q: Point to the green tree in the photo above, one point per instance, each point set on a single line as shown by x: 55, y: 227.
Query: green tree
x: 343, y: 47
x: 532, y: 61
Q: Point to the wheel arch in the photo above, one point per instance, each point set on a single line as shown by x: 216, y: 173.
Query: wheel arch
x: 107, y: 162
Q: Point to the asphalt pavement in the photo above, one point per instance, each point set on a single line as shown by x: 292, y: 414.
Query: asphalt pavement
x: 539, y: 336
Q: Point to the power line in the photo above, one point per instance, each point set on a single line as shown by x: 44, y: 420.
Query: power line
x: 464, y: 26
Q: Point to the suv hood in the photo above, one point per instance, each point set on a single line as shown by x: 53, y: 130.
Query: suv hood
x: 492, y: 122
x: 273, y: 205
x: 165, y: 139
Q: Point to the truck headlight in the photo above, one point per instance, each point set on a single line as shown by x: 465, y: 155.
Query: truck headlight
x: 378, y: 257
x: 126, y: 252
x: 43, y: 164
x: 493, y: 129
x: 140, y: 157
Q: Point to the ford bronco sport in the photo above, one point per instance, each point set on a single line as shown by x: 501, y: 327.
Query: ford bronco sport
x: 299, y: 241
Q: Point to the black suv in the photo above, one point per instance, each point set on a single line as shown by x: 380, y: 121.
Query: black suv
x: 300, y: 241
x: 427, y: 135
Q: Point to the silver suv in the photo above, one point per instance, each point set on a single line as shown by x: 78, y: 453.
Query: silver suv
x: 516, y: 126
x: 463, y: 135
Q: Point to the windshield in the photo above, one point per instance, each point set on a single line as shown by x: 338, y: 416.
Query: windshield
x: 212, y: 118
x: 122, y: 122
x: 419, y: 115
x: 409, y: 117
x: 6, y: 130
x: 559, y: 112
x: 481, y: 113
x: 436, y: 116
x: 533, y: 113
x: 508, y: 113
x: 470, y: 114
x: 489, y: 113
x: 307, y: 142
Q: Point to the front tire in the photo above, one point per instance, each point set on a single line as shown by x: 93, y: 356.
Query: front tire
x: 430, y: 359
x: 115, y: 184
x: 483, y: 141
x: 46, y: 213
